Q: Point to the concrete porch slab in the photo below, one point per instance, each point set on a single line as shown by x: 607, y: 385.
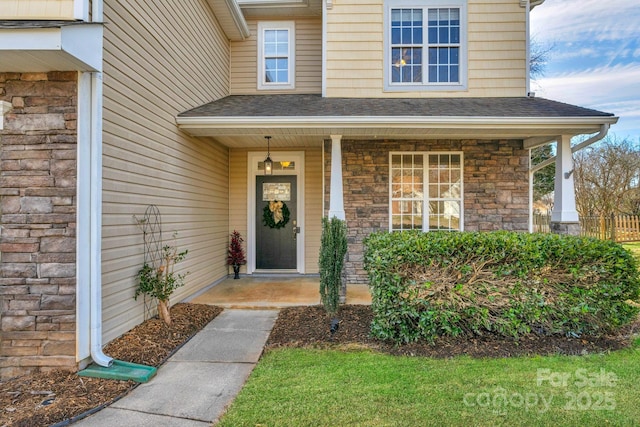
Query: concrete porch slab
x: 274, y: 292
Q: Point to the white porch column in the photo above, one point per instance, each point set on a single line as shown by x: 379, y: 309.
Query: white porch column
x: 336, y: 198
x: 564, y: 216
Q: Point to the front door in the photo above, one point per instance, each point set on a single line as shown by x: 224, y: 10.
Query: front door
x: 276, y: 237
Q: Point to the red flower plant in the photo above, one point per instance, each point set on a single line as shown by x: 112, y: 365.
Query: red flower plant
x: 236, y: 253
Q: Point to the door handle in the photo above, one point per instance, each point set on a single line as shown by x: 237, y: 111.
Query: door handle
x: 296, y: 230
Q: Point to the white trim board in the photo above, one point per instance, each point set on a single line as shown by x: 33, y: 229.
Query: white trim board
x: 252, y: 171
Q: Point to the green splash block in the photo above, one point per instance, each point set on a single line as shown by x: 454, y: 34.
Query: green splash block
x: 120, y: 370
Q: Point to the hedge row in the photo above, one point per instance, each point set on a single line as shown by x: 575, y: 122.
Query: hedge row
x: 449, y: 283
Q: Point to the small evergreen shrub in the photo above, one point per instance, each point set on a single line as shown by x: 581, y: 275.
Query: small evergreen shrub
x: 333, y: 248
x: 425, y: 285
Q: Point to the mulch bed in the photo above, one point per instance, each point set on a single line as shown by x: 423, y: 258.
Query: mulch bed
x: 57, y: 397
x: 310, y: 326
x: 48, y: 398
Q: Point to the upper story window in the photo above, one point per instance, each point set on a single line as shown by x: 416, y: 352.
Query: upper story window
x: 276, y: 55
x: 425, y: 45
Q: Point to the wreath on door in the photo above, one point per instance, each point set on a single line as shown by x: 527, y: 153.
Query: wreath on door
x: 275, y: 214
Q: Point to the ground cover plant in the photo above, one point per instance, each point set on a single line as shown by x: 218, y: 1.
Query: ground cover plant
x: 426, y: 285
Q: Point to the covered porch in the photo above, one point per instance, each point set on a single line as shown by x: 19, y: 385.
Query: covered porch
x: 338, y: 154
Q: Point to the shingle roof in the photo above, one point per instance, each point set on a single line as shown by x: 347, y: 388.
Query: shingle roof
x: 317, y: 106
x: 13, y: 24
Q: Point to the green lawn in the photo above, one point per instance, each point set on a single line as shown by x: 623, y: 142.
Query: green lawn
x: 307, y: 387
x: 633, y: 247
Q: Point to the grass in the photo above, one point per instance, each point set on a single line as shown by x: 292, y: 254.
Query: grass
x: 308, y: 387
x: 634, y: 247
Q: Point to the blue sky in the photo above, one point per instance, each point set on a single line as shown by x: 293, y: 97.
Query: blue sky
x: 594, y: 60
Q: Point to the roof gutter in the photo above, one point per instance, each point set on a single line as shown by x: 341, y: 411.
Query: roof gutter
x: 459, y: 122
x: 604, y: 129
x: 530, y: 4
x: 238, y: 18
x: 233, y: 25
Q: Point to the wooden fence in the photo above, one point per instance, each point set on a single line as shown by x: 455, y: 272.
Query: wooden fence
x: 619, y: 228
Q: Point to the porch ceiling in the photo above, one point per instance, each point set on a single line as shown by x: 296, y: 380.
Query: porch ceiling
x: 300, y: 120
x: 258, y: 9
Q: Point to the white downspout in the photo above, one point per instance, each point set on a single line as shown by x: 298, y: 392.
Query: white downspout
x: 327, y: 4
x: 527, y: 14
x: 96, y: 222
x: 81, y: 10
x: 527, y: 37
x: 324, y: 179
x: 96, y: 209
x: 604, y: 129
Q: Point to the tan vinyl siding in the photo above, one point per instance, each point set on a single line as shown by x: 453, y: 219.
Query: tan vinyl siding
x: 36, y: 9
x: 496, y: 50
x: 313, y: 200
x: 238, y: 194
x: 313, y: 208
x: 497, y: 43
x: 354, y: 49
x: 308, y: 67
x: 160, y: 59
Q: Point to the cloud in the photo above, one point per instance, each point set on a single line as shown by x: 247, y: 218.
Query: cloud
x: 611, y: 89
x: 594, y: 86
x: 586, y: 20
x: 594, y: 59
x: 567, y: 53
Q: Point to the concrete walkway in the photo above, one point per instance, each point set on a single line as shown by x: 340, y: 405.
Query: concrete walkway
x: 193, y: 388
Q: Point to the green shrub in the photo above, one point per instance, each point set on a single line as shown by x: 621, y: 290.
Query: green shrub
x: 160, y: 282
x: 333, y: 247
x: 449, y: 283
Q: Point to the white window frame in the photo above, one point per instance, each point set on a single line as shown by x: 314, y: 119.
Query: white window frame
x: 276, y: 25
x: 425, y: 5
x: 425, y: 182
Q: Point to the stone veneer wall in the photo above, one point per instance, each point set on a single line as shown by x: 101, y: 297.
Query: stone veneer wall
x: 496, y: 188
x: 37, y: 243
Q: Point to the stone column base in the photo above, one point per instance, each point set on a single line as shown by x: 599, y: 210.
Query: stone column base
x: 566, y: 228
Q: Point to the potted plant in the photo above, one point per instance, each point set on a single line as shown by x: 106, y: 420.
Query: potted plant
x: 236, y: 256
x: 160, y: 282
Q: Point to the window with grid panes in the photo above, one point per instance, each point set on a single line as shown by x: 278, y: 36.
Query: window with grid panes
x: 425, y: 45
x: 276, y: 55
x: 426, y: 191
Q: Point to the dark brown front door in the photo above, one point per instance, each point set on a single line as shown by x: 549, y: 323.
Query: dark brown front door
x: 276, y: 247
